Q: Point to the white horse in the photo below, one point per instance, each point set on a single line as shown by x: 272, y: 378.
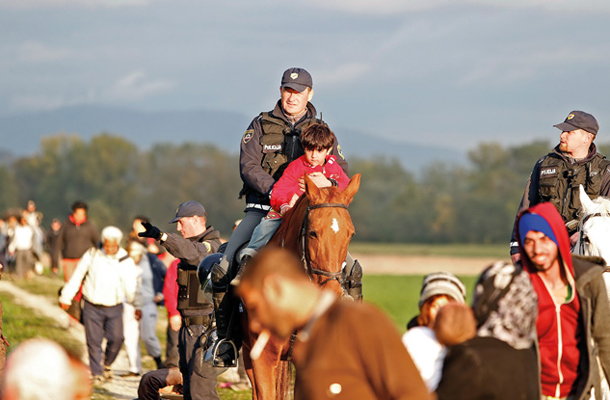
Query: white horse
x: 593, y: 240
x: 594, y: 227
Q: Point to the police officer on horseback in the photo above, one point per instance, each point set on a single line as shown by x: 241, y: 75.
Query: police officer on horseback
x: 268, y: 145
x: 557, y: 176
x: 197, y: 240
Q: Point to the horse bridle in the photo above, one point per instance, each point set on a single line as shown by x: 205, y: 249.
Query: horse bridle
x: 306, y: 259
x: 582, y: 238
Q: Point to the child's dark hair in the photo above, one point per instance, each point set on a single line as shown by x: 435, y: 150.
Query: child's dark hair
x: 317, y: 137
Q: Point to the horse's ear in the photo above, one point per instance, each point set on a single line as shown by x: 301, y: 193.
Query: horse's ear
x: 585, y: 200
x: 351, y: 189
x: 312, y: 190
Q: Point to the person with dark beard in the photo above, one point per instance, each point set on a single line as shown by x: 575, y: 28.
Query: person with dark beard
x: 573, y: 322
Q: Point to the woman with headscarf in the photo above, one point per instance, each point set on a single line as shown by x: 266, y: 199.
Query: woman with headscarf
x: 500, y: 362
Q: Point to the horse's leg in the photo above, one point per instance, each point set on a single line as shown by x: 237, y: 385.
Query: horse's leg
x: 263, y: 372
x: 284, y: 386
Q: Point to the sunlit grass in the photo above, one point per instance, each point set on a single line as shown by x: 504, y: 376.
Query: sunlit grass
x: 20, y: 323
x: 438, y: 250
x: 398, y: 296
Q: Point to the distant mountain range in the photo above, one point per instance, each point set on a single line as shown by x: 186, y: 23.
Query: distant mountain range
x: 20, y: 134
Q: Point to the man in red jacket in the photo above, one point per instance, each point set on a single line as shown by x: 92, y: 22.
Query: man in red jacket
x: 573, y: 322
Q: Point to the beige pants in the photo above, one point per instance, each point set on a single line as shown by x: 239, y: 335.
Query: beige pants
x: 69, y: 265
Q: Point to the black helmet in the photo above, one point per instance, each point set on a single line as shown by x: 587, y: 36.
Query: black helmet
x: 205, y: 266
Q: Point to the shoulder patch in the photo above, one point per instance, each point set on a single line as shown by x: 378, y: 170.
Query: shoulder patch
x: 340, y: 152
x: 208, y: 246
x: 248, y: 136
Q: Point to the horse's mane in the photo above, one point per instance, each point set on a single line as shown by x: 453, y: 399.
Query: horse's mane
x: 593, y: 242
x: 601, y: 205
x: 296, y: 214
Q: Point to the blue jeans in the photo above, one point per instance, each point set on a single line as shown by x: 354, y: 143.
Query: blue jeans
x: 264, y: 232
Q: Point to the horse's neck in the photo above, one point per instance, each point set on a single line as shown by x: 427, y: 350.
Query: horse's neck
x: 597, y: 230
x: 287, y: 235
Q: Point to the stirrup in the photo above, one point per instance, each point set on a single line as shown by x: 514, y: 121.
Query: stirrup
x: 211, y: 355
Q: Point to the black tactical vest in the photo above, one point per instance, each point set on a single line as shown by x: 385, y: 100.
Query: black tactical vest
x: 281, y: 143
x: 190, y: 295
x: 560, y: 180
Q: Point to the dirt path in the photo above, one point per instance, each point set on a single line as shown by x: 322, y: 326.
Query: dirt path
x: 408, y: 265
x: 119, y: 388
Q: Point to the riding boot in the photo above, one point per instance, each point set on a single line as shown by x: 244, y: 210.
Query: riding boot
x: 224, y: 306
x: 353, y: 278
x: 245, y: 257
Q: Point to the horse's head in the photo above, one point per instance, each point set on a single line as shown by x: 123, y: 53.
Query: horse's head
x: 327, y: 232
x: 594, y: 226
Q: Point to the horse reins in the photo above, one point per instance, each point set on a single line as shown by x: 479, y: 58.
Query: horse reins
x: 305, y: 257
x: 582, y: 238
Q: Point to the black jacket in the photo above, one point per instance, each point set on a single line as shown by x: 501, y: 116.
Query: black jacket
x: 486, y: 368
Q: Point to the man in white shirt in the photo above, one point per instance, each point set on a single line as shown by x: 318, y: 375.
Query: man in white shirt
x: 108, y: 279
x: 21, y: 247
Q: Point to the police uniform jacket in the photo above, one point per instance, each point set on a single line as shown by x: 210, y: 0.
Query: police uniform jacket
x: 531, y: 196
x: 257, y: 182
x: 191, y: 251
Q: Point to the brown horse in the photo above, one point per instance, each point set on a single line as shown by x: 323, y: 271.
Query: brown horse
x: 318, y: 229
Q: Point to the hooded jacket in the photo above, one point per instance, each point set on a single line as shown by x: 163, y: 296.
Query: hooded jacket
x: 574, y: 334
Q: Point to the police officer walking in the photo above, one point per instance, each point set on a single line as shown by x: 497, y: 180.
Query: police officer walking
x: 557, y: 176
x: 196, y: 242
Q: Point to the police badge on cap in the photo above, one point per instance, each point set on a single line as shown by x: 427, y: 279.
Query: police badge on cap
x: 297, y: 79
x: 579, y: 120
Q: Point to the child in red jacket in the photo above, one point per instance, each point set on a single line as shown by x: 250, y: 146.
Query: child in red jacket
x: 317, y: 141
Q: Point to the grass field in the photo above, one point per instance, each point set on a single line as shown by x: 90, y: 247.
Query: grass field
x: 438, y: 250
x: 398, y: 295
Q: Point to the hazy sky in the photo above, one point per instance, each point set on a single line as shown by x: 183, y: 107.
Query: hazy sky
x: 448, y: 72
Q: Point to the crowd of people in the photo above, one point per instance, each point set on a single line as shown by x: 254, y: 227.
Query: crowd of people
x: 23, y: 241
x: 538, y: 327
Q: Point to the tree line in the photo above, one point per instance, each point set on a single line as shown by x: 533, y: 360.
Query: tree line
x: 473, y: 203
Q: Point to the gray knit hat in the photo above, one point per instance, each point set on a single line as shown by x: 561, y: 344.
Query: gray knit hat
x: 438, y: 283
